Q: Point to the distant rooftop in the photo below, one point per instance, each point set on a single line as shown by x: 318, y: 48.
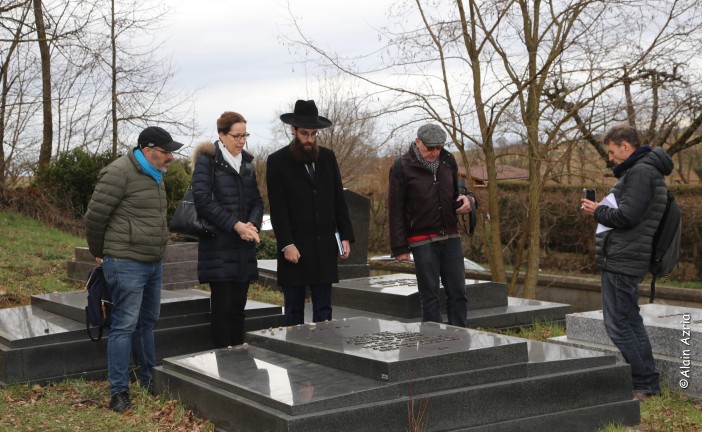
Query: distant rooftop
x: 504, y: 172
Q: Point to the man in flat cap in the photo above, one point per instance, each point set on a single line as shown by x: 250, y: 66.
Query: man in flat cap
x: 127, y: 232
x: 308, y: 209
x: 423, y: 208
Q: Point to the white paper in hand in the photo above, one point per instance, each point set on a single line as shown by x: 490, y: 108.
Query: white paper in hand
x: 611, y: 202
x: 339, y: 244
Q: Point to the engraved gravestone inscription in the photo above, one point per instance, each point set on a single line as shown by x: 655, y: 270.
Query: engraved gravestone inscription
x: 388, y: 341
x: 389, y: 283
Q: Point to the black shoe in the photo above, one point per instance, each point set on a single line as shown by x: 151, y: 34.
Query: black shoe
x: 641, y: 396
x: 120, y: 403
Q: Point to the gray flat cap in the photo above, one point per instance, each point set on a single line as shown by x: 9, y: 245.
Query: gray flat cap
x: 431, y: 135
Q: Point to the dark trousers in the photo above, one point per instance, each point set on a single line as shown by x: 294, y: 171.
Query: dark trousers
x: 227, y: 304
x: 295, y: 303
x: 442, y: 261
x: 625, y: 327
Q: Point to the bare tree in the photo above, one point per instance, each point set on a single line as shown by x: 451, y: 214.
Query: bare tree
x: 112, y: 82
x: 140, y: 78
x: 48, y: 126
x: 485, y: 69
x: 13, y: 77
x: 660, y: 99
x: 353, y: 136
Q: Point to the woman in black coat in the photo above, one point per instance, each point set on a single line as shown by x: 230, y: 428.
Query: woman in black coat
x: 225, y: 193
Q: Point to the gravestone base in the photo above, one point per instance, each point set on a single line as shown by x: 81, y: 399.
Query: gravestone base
x: 396, y: 297
x: 179, y: 265
x: 267, y: 271
x: 350, y: 271
x: 47, y: 340
x: 363, y: 374
x: 675, y: 333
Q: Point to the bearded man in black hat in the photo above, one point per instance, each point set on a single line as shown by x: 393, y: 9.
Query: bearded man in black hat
x: 308, y: 209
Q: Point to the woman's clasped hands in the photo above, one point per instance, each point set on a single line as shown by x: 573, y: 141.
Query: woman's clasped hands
x: 247, y: 231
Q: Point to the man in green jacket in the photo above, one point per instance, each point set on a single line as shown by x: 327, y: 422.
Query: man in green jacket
x: 127, y: 232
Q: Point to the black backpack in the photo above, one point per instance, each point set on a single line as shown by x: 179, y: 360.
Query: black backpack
x: 99, y: 309
x: 666, y: 244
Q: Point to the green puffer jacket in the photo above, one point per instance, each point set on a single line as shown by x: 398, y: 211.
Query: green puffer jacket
x: 126, y: 217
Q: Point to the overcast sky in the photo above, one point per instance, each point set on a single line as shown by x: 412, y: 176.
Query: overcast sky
x: 234, y: 53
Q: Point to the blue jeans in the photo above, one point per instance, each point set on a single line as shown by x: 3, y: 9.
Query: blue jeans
x: 624, y: 325
x: 295, y: 303
x: 136, y: 298
x: 442, y: 259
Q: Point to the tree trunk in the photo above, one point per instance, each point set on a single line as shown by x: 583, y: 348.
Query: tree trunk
x: 113, y: 72
x: 494, y: 241
x: 48, y: 131
x: 533, y: 247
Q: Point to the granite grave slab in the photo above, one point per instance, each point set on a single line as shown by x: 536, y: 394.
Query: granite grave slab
x: 356, y: 265
x: 179, y: 265
x: 390, y: 350
x: 395, y: 296
x: 675, y: 333
x: 173, y: 303
x: 296, y: 379
x: 29, y: 335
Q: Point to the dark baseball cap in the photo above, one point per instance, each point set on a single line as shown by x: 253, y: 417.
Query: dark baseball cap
x: 154, y: 136
x: 432, y: 135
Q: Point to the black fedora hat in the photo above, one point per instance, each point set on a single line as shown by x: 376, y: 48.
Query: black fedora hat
x: 306, y: 116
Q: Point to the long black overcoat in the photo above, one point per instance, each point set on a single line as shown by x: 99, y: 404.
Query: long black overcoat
x: 307, y: 213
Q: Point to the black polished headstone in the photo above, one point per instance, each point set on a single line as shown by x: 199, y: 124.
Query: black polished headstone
x: 29, y: 335
x: 397, y: 295
x: 356, y: 265
x: 391, y: 350
x: 282, y: 382
x: 359, y: 212
x: 173, y: 303
x: 179, y: 265
x: 27, y: 326
x: 319, y: 378
x: 675, y: 334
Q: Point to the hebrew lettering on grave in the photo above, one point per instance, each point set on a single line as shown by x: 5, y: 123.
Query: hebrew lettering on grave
x: 388, y: 341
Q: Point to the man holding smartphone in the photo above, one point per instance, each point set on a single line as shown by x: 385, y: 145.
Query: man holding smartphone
x: 589, y: 195
x: 624, y: 252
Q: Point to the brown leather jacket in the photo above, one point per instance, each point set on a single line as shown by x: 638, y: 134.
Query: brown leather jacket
x: 419, y: 203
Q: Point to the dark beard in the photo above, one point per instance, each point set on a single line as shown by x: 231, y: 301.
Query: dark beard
x: 299, y: 154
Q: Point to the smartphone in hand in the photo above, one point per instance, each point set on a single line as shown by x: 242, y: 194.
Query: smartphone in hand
x: 589, y: 194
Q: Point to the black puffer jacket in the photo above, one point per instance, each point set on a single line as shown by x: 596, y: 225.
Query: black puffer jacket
x: 225, y: 257
x: 641, y: 196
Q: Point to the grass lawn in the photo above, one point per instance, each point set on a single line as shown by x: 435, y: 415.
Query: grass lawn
x: 32, y: 259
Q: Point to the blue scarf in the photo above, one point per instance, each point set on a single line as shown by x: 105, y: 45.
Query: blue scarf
x: 147, y: 167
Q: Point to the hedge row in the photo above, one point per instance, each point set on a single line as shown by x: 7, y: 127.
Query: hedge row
x: 567, y: 234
